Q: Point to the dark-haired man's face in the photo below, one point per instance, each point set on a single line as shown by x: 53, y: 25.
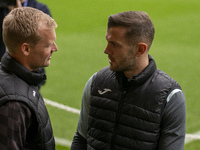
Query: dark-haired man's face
x: 121, y: 55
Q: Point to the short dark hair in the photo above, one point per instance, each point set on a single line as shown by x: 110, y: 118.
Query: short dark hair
x: 139, y: 26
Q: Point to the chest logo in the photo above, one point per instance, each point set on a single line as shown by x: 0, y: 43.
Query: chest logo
x: 34, y: 93
x: 105, y: 91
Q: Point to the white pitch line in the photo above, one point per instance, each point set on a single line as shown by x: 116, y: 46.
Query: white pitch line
x: 191, y: 137
x: 188, y: 138
x: 63, y: 142
x: 61, y: 106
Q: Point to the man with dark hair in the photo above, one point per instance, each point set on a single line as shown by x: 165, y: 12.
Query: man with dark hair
x: 29, y: 35
x: 131, y: 104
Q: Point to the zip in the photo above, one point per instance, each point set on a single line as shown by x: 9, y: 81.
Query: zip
x: 117, y: 121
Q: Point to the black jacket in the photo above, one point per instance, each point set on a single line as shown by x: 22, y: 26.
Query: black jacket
x: 130, y: 115
x: 19, y: 84
x: 133, y: 114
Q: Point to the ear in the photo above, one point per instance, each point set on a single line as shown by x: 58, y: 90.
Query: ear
x: 142, y: 47
x: 25, y: 48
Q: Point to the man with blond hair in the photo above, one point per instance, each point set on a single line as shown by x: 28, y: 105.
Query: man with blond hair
x: 29, y: 35
x: 7, y: 5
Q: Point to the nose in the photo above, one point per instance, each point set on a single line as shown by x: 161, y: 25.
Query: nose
x: 106, y: 50
x: 55, y: 48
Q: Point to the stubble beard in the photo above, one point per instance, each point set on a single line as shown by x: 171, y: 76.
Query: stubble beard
x: 125, y: 64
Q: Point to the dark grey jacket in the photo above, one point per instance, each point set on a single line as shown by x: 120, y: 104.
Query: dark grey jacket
x: 143, y: 113
x: 19, y: 84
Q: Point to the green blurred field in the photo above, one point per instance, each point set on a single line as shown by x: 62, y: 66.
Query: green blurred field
x: 81, y: 42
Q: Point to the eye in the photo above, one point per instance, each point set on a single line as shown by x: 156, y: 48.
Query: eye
x: 114, y: 44
x: 49, y: 44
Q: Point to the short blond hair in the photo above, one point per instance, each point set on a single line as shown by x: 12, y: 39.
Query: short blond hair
x: 21, y: 25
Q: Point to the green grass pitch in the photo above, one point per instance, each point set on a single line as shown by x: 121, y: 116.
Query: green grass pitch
x: 81, y: 42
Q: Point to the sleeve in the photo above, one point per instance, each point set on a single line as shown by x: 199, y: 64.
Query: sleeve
x: 79, y: 141
x: 173, y: 122
x: 15, y: 118
x: 43, y: 8
x: 3, y: 12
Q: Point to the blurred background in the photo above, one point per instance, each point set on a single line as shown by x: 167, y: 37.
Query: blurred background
x: 81, y: 41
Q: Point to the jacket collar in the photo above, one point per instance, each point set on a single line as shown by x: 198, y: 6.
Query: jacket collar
x: 30, y: 77
x: 140, y: 78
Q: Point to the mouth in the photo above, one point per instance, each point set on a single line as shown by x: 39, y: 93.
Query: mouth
x: 49, y: 57
x: 110, y: 59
